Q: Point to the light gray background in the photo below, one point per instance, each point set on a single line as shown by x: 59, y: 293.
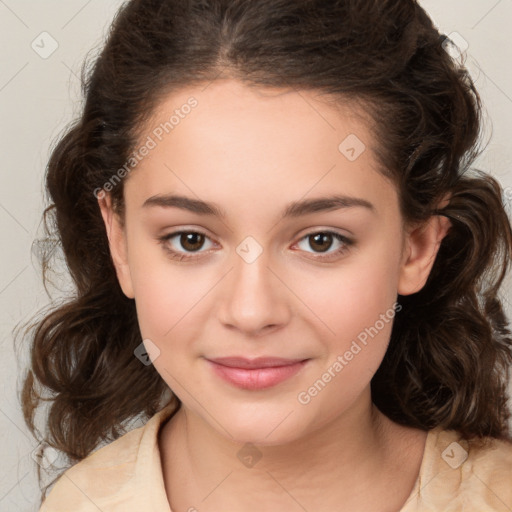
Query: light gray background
x: 39, y: 96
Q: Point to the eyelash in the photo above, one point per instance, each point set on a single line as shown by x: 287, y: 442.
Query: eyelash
x: 181, y: 256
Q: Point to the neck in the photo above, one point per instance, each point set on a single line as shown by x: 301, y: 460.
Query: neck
x: 344, y: 458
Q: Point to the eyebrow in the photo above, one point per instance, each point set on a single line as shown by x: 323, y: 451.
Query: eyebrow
x: 294, y: 209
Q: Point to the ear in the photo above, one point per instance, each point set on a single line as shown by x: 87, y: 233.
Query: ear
x: 421, y: 246
x: 117, y: 242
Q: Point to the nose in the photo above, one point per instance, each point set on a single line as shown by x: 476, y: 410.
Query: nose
x: 254, y: 299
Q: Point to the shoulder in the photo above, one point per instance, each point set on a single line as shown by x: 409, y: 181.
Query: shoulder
x: 474, y: 473
x: 98, y: 477
x: 486, y: 456
x: 105, y: 480
x: 489, y: 467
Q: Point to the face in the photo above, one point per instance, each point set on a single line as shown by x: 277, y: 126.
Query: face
x: 260, y: 226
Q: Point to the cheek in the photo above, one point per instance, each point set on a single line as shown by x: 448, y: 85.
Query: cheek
x: 355, y: 295
x: 359, y: 311
x: 355, y: 307
x: 166, y: 293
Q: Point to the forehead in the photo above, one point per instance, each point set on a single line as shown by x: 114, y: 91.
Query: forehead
x: 275, y: 112
x: 235, y: 141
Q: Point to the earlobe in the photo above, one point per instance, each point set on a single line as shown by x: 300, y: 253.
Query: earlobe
x: 117, y: 243
x: 421, y: 248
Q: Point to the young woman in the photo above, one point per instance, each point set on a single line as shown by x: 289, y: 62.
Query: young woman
x: 284, y: 262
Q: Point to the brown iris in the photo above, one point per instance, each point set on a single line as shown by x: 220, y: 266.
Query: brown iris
x: 192, y: 241
x: 322, y: 241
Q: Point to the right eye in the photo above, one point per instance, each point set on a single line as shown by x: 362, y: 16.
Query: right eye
x: 180, y: 244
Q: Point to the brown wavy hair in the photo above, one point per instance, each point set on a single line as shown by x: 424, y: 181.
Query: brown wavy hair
x: 450, y: 351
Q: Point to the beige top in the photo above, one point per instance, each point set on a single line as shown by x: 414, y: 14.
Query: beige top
x: 126, y: 476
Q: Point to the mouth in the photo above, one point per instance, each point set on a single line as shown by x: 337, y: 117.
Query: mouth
x: 258, y: 373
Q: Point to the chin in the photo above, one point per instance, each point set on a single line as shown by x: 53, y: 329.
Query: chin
x: 262, y: 430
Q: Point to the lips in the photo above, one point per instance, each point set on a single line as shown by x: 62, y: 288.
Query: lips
x: 258, y: 362
x: 255, y: 374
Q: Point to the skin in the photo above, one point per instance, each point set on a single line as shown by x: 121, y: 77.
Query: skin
x: 252, y: 152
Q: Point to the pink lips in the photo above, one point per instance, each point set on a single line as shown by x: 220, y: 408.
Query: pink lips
x: 259, y: 373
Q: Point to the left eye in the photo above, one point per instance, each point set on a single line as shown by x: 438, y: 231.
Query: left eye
x: 322, y: 241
